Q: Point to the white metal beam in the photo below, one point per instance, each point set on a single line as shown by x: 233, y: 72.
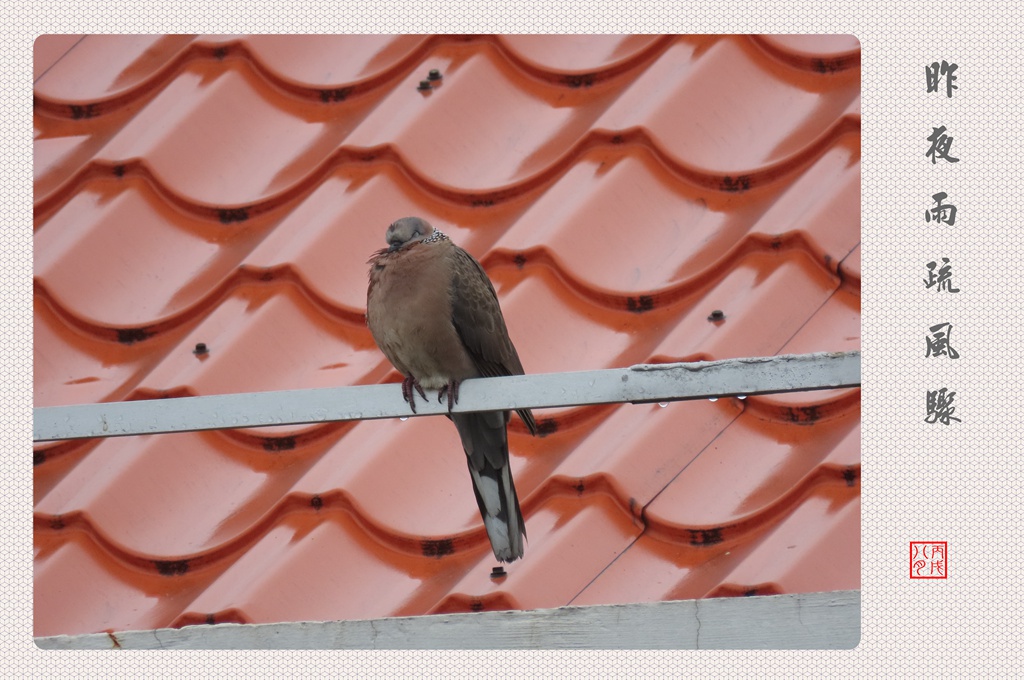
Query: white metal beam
x: 642, y: 383
x: 793, y: 621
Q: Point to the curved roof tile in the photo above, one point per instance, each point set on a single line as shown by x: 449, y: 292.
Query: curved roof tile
x: 228, y: 190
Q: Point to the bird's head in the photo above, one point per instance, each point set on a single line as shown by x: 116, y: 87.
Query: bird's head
x: 406, y: 231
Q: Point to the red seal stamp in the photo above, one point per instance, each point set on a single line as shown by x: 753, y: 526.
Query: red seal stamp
x: 928, y: 559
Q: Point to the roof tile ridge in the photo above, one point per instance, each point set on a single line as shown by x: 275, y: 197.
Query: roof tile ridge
x: 652, y: 300
x: 236, y: 49
x: 830, y: 480
x: 585, y: 77
x: 824, y: 65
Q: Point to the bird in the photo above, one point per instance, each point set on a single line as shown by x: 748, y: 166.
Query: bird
x: 433, y: 313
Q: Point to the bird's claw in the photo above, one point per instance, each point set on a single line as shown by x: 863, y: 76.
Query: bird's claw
x: 451, y: 390
x: 408, y: 385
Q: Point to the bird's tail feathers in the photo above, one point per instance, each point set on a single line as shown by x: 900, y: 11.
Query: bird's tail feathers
x: 499, y: 508
x: 486, y: 444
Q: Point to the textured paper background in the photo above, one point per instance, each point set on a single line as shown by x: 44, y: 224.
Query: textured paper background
x: 958, y: 483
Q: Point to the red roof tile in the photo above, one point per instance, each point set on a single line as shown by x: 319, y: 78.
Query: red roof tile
x: 617, y: 189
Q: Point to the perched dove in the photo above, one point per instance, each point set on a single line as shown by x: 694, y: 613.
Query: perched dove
x: 434, y: 314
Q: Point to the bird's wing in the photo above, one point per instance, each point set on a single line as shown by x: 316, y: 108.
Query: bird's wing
x: 478, y: 320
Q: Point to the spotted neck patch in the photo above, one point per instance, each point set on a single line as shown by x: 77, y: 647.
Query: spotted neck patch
x: 436, y: 236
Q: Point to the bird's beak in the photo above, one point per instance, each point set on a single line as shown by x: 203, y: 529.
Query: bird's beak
x: 394, y: 246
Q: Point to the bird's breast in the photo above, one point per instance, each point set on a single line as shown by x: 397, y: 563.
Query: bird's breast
x: 409, y: 312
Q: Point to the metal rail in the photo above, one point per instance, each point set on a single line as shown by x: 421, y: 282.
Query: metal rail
x: 643, y: 383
